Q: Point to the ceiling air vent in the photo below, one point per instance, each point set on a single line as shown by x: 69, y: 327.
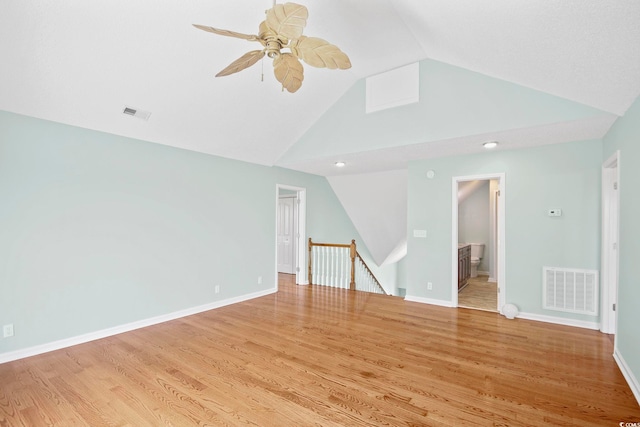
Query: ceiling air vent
x: 144, y: 115
x: 393, y: 88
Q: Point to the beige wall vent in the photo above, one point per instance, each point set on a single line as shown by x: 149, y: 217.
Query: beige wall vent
x: 393, y: 88
x: 570, y: 290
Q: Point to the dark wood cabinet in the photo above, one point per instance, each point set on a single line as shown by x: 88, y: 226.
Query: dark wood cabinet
x: 464, y: 265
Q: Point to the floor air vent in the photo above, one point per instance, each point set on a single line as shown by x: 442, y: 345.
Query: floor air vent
x: 570, y: 290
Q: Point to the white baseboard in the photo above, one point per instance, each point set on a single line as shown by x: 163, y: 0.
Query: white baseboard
x: 441, y: 303
x: 91, y: 336
x: 628, y: 374
x: 560, y: 321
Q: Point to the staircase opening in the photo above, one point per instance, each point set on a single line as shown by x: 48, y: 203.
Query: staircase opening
x: 341, y: 266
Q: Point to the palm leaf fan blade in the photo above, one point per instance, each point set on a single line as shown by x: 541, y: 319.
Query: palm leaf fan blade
x: 226, y: 32
x: 287, y: 20
x: 320, y: 53
x: 245, y: 61
x: 289, y: 72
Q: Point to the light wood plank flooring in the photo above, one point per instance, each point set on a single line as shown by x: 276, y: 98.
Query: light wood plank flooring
x: 316, y: 356
x: 479, y: 294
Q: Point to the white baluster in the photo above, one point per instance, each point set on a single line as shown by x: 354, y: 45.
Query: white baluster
x: 346, y: 269
x: 322, y: 265
x: 332, y: 266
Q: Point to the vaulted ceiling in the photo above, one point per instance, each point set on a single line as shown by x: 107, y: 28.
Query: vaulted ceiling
x: 80, y: 63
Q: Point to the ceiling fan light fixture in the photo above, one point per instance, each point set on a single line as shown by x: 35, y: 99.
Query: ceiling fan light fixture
x: 340, y: 164
x: 282, y: 29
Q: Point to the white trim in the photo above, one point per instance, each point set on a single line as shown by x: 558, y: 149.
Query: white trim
x: 609, y: 267
x: 560, y: 321
x: 301, y: 244
x: 92, y: 336
x: 501, y: 276
x: 627, y: 373
x: 439, y: 302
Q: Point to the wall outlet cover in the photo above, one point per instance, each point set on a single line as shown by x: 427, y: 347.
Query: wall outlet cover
x: 7, y: 330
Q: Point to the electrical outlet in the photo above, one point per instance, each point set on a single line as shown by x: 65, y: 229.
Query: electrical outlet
x: 259, y: 280
x: 7, y: 330
x: 429, y: 286
x: 217, y: 289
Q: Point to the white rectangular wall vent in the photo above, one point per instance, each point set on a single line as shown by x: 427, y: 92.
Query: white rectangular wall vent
x: 139, y: 114
x: 393, y: 88
x: 570, y: 290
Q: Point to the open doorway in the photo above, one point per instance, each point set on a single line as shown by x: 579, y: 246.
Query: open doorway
x: 478, y: 242
x: 291, y: 232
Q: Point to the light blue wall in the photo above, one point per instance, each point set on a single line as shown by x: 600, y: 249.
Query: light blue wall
x: 454, y: 102
x: 474, y: 221
x: 565, y: 176
x: 625, y: 136
x: 100, y: 231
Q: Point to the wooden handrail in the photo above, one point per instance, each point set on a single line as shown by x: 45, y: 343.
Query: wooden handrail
x: 352, y: 247
x: 353, y: 253
x: 377, y: 282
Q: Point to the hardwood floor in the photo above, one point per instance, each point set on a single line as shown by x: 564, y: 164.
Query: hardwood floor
x: 479, y: 294
x: 317, y: 356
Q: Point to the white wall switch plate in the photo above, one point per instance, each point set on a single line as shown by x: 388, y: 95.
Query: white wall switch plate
x: 555, y: 212
x: 420, y: 233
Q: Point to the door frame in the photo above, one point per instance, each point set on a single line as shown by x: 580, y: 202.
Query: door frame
x: 301, y: 235
x: 293, y: 229
x: 501, y: 241
x: 610, y: 255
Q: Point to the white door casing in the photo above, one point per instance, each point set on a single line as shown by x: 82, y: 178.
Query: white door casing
x: 500, y: 243
x: 286, y: 230
x: 610, y: 239
x: 300, y: 261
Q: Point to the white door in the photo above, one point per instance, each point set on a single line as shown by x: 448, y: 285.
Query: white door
x: 286, y: 235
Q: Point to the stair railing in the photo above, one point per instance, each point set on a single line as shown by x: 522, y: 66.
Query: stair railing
x: 341, y: 266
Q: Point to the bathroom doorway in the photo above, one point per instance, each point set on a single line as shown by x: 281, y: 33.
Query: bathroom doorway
x: 478, y: 242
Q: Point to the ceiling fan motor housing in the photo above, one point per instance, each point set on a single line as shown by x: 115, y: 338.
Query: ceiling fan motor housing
x: 273, y: 48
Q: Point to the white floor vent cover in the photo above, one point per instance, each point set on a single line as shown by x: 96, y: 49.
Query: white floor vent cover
x: 570, y: 290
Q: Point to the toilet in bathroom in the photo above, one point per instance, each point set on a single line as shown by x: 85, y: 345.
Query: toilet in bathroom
x: 477, y: 252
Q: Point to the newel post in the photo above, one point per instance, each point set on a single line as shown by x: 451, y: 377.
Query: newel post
x: 352, y: 251
x: 310, y: 257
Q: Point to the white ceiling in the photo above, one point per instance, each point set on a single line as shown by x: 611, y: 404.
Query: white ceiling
x: 80, y: 63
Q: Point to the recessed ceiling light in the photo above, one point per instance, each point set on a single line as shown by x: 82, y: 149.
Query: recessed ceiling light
x: 340, y: 164
x: 490, y: 144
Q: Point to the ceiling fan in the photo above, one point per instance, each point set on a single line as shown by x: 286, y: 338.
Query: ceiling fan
x: 282, y: 29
